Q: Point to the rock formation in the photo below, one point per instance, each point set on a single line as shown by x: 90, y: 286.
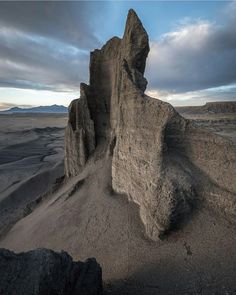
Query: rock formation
x: 218, y: 107
x: 80, y: 138
x: 42, y: 272
x: 160, y: 160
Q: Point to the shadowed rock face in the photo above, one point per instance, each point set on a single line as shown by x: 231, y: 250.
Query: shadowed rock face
x: 42, y: 272
x: 79, y: 134
x: 160, y: 161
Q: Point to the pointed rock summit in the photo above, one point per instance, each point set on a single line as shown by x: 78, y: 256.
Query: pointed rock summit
x: 159, y: 160
x: 93, y: 117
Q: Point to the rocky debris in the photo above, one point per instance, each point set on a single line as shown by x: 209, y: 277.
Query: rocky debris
x: 44, y: 272
x: 160, y: 160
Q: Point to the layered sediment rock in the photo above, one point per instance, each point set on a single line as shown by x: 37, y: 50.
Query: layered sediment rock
x: 218, y: 107
x: 160, y: 161
x: 42, y: 272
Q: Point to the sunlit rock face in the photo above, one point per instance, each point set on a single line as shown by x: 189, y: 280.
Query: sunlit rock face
x: 160, y: 160
x: 138, y: 163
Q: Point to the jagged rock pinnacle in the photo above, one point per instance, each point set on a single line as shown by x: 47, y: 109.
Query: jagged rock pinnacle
x: 135, y: 42
x: 157, y: 158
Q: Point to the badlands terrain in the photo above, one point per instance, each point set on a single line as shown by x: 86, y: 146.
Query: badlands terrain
x: 148, y: 192
x: 197, y: 258
x: 218, y: 117
x: 31, y: 159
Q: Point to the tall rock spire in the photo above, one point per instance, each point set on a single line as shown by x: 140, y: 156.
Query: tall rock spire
x: 157, y: 158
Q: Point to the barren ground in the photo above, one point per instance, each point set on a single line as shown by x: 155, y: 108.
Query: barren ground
x: 85, y: 218
x: 31, y: 146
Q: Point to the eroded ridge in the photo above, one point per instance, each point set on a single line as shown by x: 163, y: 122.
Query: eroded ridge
x: 160, y: 160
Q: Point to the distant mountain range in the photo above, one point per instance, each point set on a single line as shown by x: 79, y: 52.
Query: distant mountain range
x: 41, y: 109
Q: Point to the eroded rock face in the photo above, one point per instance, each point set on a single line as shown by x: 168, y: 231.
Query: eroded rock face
x: 42, y: 272
x: 79, y: 134
x: 160, y: 160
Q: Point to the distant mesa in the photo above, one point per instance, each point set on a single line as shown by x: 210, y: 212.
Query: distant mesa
x: 41, y: 109
x: 217, y: 107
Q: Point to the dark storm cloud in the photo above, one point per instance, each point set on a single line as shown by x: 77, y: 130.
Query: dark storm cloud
x: 45, y: 45
x: 30, y: 61
x: 69, y: 22
x: 196, y: 56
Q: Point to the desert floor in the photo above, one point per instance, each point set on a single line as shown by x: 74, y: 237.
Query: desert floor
x: 87, y: 219
x: 31, y: 146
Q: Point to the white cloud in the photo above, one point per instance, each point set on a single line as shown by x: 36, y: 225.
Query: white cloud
x: 196, y: 55
x: 37, y: 62
x: 199, y: 97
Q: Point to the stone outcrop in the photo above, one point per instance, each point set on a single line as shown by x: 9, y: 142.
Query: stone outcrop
x: 160, y: 160
x: 79, y: 134
x: 42, y: 272
x: 218, y: 107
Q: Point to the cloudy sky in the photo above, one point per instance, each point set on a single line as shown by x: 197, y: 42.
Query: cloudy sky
x: 44, y: 48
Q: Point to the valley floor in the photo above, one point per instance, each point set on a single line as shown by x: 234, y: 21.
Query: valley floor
x: 31, y: 159
x: 87, y: 219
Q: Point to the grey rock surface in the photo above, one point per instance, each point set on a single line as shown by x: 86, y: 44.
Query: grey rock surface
x: 79, y: 134
x: 161, y: 161
x: 44, y: 272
